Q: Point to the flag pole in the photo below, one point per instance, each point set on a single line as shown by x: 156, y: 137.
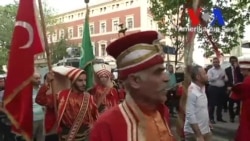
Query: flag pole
x: 86, y: 2
x: 47, y: 52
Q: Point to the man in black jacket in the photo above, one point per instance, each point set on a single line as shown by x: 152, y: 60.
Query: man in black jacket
x: 234, y: 76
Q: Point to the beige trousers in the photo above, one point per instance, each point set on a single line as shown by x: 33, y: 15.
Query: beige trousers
x: 38, y: 130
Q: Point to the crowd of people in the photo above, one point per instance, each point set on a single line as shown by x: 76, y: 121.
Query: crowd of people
x: 139, y: 106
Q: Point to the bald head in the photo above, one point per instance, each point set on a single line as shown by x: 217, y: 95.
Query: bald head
x: 36, y: 79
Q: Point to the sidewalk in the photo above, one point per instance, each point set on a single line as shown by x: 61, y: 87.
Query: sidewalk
x: 225, y: 131
x: 221, y: 131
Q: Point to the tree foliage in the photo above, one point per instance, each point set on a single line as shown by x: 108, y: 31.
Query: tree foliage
x: 172, y: 16
x: 58, y: 50
x: 8, y: 16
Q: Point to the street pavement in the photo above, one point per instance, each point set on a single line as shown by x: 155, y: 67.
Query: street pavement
x: 221, y: 131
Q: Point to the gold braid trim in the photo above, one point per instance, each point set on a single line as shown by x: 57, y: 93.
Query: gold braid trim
x: 9, y: 99
x: 155, y: 49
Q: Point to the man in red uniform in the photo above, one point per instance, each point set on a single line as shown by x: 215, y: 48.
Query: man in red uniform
x: 142, y: 116
x: 241, y: 92
x: 105, y: 95
x: 76, y: 108
x: 50, y: 114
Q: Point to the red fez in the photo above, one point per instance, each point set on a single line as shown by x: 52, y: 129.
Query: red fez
x: 136, y: 52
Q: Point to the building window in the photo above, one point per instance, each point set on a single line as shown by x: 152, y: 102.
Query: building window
x: 93, y: 47
x: 80, y: 31
x: 102, y: 27
x: 151, y: 24
x: 130, y: 22
x: 70, y: 33
x: 91, y: 29
x: 103, y: 49
x: 115, y: 24
x: 54, y: 36
x: 62, y: 34
x: 97, y: 51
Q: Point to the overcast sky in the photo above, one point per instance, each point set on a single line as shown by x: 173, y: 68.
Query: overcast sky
x: 62, y: 5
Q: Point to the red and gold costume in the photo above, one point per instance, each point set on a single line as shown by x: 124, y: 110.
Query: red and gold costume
x: 50, y: 115
x: 181, y: 113
x: 128, y: 121
x: 76, y: 111
x: 242, y: 92
x: 133, y: 124
x: 105, y: 96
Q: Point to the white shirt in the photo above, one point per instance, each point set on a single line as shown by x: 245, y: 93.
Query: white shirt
x: 215, y: 77
x: 196, y: 109
x: 1, y: 95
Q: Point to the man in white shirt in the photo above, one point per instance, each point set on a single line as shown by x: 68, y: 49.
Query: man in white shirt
x: 216, y: 90
x: 196, y: 127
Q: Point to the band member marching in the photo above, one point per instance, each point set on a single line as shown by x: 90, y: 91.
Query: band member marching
x: 142, y: 116
x: 104, y: 92
x: 76, y: 108
x: 241, y: 92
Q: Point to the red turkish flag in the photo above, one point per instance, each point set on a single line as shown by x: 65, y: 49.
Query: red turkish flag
x: 26, y: 42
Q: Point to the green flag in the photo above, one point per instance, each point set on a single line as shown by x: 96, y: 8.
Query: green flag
x: 87, y: 55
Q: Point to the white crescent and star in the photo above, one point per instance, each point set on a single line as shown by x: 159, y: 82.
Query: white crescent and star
x: 29, y: 28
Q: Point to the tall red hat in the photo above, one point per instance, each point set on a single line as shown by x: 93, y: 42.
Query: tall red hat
x: 71, y: 73
x: 244, y: 62
x: 136, y: 52
x: 64, y: 76
x: 102, y: 70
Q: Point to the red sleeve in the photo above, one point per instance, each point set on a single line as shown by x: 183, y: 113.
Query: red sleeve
x: 94, y: 110
x: 235, y: 96
x: 43, y: 99
x: 180, y: 90
x: 116, y: 95
x: 100, y: 132
x: 236, y: 93
x: 122, y: 94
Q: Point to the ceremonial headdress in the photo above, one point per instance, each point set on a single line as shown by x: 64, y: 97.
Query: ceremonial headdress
x: 136, y: 52
x: 71, y: 73
x: 102, y: 70
x: 244, y: 62
x: 64, y: 76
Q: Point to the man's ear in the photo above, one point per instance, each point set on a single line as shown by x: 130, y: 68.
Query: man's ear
x: 134, y: 81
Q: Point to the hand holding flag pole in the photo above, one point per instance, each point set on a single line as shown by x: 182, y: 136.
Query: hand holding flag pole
x: 47, y: 52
